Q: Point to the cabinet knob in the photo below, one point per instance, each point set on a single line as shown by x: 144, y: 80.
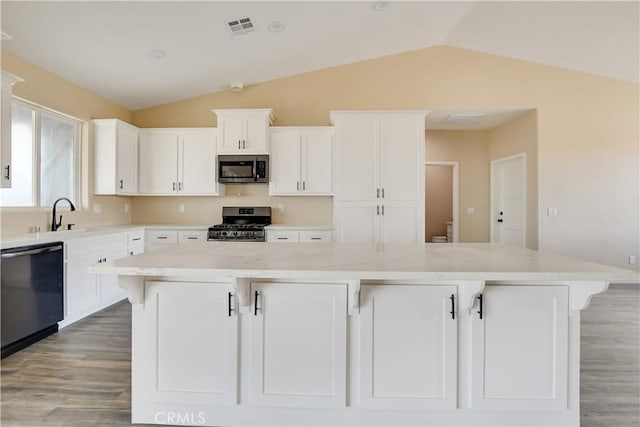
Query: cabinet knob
x: 7, y: 175
x: 121, y: 184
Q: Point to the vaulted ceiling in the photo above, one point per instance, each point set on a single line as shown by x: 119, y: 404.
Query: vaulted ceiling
x: 141, y: 54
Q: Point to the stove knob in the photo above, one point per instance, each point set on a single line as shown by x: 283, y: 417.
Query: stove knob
x: 224, y: 233
x: 235, y: 233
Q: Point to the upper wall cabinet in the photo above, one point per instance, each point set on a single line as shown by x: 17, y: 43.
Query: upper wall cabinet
x: 178, y: 162
x: 115, y: 157
x: 243, y: 131
x: 8, y: 80
x: 301, y: 161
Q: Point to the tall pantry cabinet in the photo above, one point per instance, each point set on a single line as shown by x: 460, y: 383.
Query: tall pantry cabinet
x: 379, y: 176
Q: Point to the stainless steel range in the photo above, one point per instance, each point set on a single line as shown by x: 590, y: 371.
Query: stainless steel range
x: 241, y: 223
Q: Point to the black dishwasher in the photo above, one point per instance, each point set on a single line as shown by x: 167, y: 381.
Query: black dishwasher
x: 32, y: 294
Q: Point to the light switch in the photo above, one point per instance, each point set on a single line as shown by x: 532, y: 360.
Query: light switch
x: 97, y: 208
x: 281, y: 208
x: 126, y: 207
x: 552, y: 212
x: 181, y: 208
x: 471, y: 211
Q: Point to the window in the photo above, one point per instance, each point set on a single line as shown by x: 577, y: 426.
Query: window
x: 44, y: 157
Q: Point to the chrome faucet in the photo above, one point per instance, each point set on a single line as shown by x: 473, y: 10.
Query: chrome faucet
x: 55, y: 225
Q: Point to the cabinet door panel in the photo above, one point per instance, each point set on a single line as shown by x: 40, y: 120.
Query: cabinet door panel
x: 285, y: 162
x: 400, y: 223
x: 158, y: 163
x: 197, y: 365
x: 198, y: 162
x: 126, y: 161
x: 230, y: 130
x: 255, y: 135
x: 520, y: 348
x: 357, y: 223
x: 356, y: 159
x: 109, y: 290
x: 408, y: 347
x: 299, y: 345
x: 400, y: 152
x: 82, y: 294
x: 317, y: 161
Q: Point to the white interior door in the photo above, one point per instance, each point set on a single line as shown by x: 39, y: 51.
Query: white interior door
x: 508, y: 188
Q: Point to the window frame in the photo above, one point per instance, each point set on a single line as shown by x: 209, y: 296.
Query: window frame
x: 36, y: 160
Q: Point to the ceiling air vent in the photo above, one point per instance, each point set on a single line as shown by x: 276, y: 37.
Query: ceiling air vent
x: 463, y: 119
x: 240, y: 26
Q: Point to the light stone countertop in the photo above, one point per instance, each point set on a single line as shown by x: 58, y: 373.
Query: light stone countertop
x: 284, y: 227
x: 450, y: 261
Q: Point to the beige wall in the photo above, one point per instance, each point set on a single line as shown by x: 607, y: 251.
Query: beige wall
x: 471, y: 150
x: 588, y: 130
x: 520, y: 135
x: 46, y: 89
x: 438, y: 200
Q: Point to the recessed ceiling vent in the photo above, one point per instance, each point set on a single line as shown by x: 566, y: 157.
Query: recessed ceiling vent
x: 240, y: 26
x: 463, y: 119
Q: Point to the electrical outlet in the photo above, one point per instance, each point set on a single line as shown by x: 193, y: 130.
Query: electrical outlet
x: 126, y: 207
x: 471, y: 211
x: 281, y: 208
x: 181, y: 208
x: 97, y: 208
x: 552, y: 211
x: 632, y: 259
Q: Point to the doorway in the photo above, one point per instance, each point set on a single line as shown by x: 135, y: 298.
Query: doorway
x: 508, y: 200
x: 441, y: 201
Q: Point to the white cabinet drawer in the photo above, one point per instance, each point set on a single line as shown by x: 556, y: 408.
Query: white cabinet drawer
x: 192, y: 236
x: 282, y: 236
x: 136, y: 237
x: 316, y: 236
x: 161, y: 237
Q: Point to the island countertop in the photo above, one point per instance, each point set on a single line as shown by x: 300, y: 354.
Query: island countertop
x: 363, y: 261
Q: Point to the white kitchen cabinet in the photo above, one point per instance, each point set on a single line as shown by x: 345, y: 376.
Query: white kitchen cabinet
x: 158, y: 239
x: 379, y: 176
x: 196, y: 365
x: 295, y: 234
x: 85, y: 292
x: 244, y: 131
x: 377, y: 222
x: 192, y: 236
x: 379, y: 155
x: 408, y: 347
x: 178, y: 162
x: 298, y: 345
x: 135, y: 242
x: 115, y: 147
x: 301, y: 161
x: 8, y: 80
x: 520, y: 349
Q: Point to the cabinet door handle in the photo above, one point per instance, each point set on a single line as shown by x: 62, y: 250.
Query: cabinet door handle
x: 244, y: 144
x: 377, y: 193
x: 162, y: 237
x: 131, y: 253
x: 298, y: 186
x: 121, y: 184
x: 383, y: 193
x: 453, y: 306
x: 316, y: 238
x: 230, y: 306
x: 174, y: 186
x: 377, y: 209
x: 382, y: 209
x: 8, y: 174
x: 255, y: 303
x: 192, y: 238
x: 180, y: 186
x: 481, y: 311
x: 238, y: 144
x: 304, y: 185
x: 282, y: 238
x: 135, y: 239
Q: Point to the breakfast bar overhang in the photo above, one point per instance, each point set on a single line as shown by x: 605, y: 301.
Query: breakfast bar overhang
x: 230, y: 334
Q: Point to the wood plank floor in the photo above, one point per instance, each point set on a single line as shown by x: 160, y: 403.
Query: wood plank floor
x: 81, y: 376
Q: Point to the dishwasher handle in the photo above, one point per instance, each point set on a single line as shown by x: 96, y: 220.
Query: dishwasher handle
x: 13, y: 253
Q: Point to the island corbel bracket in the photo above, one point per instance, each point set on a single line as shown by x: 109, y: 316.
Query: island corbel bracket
x: 134, y: 286
x: 468, y: 294
x: 353, y: 297
x: 581, y: 292
x: 242, y: 288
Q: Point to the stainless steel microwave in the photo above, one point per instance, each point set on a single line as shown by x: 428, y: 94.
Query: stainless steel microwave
x: 243, y: 169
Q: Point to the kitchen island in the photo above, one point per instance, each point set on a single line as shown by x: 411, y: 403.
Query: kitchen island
x: 230, y: 334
